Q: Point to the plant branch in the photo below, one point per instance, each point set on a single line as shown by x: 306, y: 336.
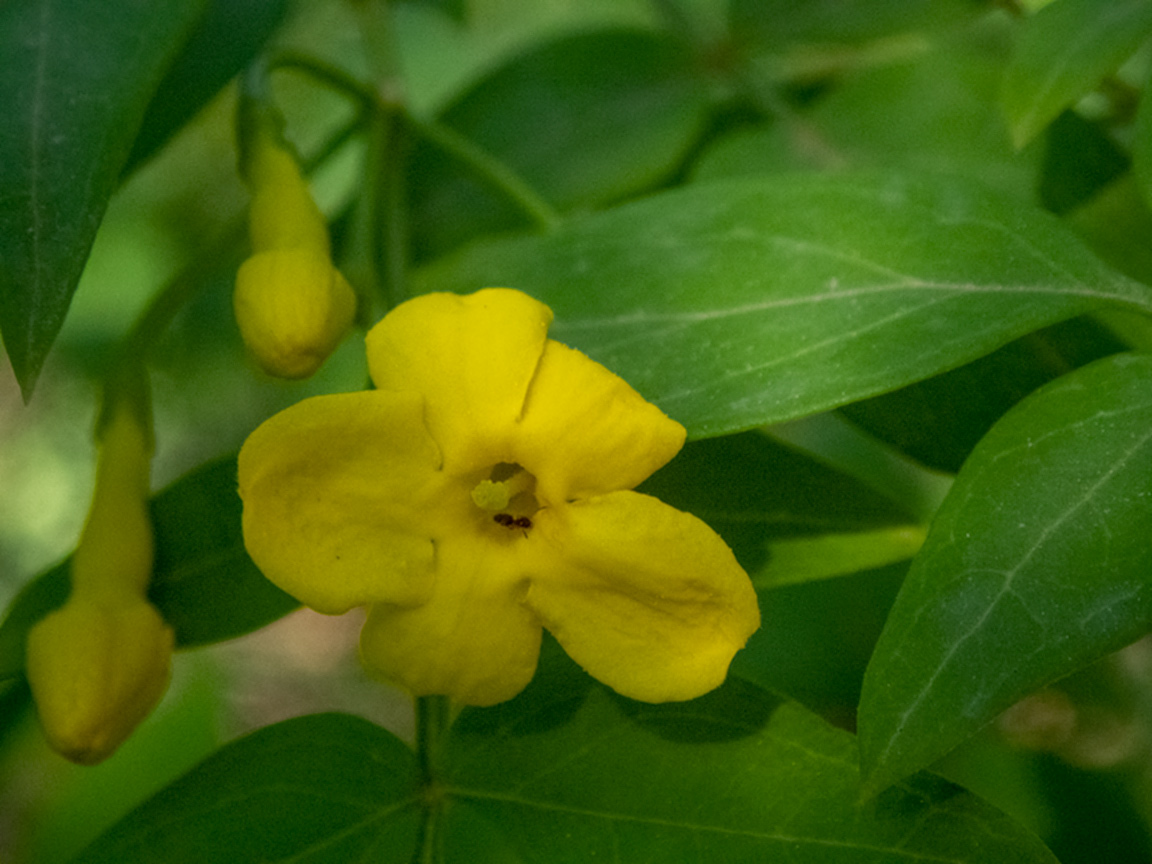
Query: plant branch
x: 490, y: 170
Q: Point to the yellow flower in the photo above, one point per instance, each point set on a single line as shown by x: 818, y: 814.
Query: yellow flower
x: 292, y: 305
x: 482, y: 493
x: 99, y: 664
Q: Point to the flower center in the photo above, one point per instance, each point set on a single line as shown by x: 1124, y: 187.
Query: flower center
x: 507, y: 494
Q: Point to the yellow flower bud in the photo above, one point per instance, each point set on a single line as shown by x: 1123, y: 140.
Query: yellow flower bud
x: 96, y: 669
x: 291, y: 303
x: 100, y: 663
x: 283, y: 214
x: 115, y: 551
x: 293, y: 308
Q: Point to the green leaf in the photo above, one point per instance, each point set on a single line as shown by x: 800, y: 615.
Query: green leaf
x: 935, y: 111
x: 454, y: 9
x: 810, y: 522
x: 738, y: 303
x: 204, y: 583
x: 822, y: 556
x: 940, y: 420
x: 793, y: 653
x: 1142, y: 144
x: 736, y: 776
x: 1080, y: 159
x: 1065, y: 50
x: 327, y: 787
x: 565, y: 772
x: 1037, y: 564
x: 228, y: 36
x: 75, y: 79
x: 585, y: 120
x: 776, y: 22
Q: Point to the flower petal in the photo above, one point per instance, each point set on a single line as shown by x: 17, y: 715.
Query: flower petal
x: 649, y: 600
x: 342, y: 497
x: 471, y: 358
x: 585, y: 431
x: 474, y: 640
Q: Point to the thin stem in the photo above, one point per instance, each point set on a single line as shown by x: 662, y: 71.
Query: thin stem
x: 490, y: 170
x: 333, y: 77
x: 393, y: 210
x: 433, y: 715
x: 380, y: 48
x: 384, y: 215
x: 383, y: 219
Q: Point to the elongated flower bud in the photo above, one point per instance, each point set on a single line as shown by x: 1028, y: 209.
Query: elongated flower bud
x: 99, y: 664
x: 282, y: 214
x: 292, y: 305
x: 116, y: 550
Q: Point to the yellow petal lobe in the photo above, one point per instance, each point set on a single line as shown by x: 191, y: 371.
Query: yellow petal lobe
x: 585, y: 431
x: 342, y: 497
x: 473, y: 640
x: 648, y: 599
x: 472, y: 359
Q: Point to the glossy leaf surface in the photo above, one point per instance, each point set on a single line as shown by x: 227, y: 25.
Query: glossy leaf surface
x: 775, y: 22
x: 836, y: 519
x: 936, y: 111
x: 738, y: 303
x: 1142, y: 146
x: 1037, y: 564
x: 564, y: 773
x: 734, y: 776
x: 226, y: 38
x: 1064, y: 51
x: 79, y: 76
x: 204, y: 583
x: 327, y: 787
x: 584, y: 120
x: 939, y: 421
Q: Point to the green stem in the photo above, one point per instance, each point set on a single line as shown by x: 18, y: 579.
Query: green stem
x: 393, y: 209
x: 490, y: 170
x: 380, y: 48
x: 333, y: 77
x: 387, y: 98
x: 383, y: 219
x: 433, y: 716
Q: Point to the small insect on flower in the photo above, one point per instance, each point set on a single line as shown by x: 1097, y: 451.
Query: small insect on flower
x: 510, y: 521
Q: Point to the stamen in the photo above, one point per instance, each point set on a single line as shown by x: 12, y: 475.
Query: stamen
x: 494, y: 495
